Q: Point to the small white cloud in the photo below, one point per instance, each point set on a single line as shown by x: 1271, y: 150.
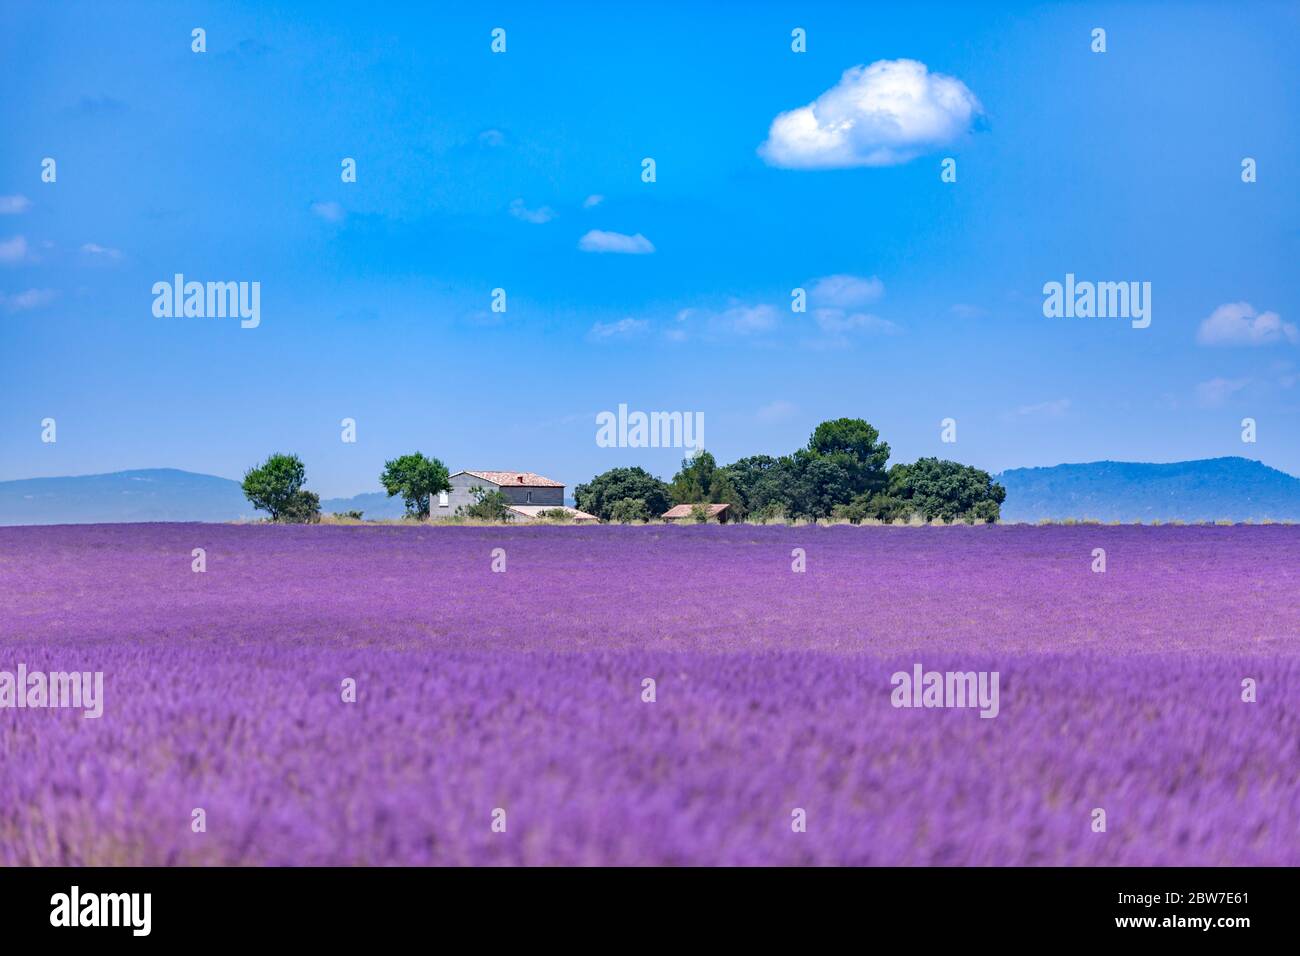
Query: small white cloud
x: 845, y: 291
x: 775, y: 412
x: 839, y: 321
x: 739, y: 318
x: 491, y: 138
x: 12, y: 205
x: 1237, y: 323
x: 597, y: 240
x: 622, y: 329
x: 592, y: 201
x: 104, y: 252
x: 1216, y: 391
x: 747, y: 319
x: 879, y: 115
x: 31, y: 299
x: 536, y: 216
x: 1042, y: 410
x: 329, y: 211
x: 965, y: 311
x: 13, y: 250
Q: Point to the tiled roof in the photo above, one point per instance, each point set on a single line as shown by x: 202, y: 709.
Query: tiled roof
x: 684, y: 511
x: 520, y: 479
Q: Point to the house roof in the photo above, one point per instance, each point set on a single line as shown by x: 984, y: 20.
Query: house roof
x: 532, y: 511
x: 521, y: 479
x: 684, y: 511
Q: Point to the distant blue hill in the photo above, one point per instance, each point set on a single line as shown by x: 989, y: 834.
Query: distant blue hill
x: 150, y: 494
x: 1213, y: 489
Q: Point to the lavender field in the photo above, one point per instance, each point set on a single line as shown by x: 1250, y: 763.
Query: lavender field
x: 522, y: 691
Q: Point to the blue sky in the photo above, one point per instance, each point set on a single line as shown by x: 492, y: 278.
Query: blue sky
x: 476, y: 171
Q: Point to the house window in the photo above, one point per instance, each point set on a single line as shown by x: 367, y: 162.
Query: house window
x: 442, y: 499
x: 530, y: 498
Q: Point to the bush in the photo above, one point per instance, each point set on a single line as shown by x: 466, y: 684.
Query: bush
x: 699, y: 513
x: 627, y: 510
x: 303, y: 508
x: 348, y: 515
x: 487, y: 506
x: 556, y: 515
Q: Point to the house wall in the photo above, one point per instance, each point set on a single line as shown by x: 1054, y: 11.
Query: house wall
x: 459, y: 496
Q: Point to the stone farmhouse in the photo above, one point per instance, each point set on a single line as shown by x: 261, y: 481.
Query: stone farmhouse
x: 526, y: 492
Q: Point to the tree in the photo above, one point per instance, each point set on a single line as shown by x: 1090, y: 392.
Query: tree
x: 627, y: 510
x: 273, y: 486
x: 487, y: 506
x: 599, y: 495
x: 416, y: 478
x: 764, y: 485
x: 702, y: 481
x: 936, y: 488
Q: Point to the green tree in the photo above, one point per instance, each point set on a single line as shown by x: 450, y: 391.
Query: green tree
x: 702, y: 481
x: 487, y: 506
x: 764, y: 485
x: 416, y: 478
x: 273, y: 486
x: 627, y: 510
x: 936, y: 488
x: 599, y: 495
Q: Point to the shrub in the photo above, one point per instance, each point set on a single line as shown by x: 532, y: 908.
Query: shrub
x: 487, y: 506
x: 627, y: 510
x: 303, y: 508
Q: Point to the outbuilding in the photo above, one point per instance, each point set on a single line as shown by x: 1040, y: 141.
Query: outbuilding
x: 718, y: 513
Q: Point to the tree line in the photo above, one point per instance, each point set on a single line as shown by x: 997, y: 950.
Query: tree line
x: 842, y: 473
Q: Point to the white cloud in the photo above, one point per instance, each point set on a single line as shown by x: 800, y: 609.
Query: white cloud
x: 592, y: 201
x: 840, y: 321
x: 1237, y: 323
x: 737, y: 319
x: 746, y: 319
x: 622, y: 329
x: 95, y: 249
x: 845, y: 291
x: 12, y: 205
x: 1053, y: 409
x: 31, y: 299
x: 879, y: 115
x: 597, y: 240
x: 329, y: 211
x: 1218, y: 390
x: 492, y: 138
x: 965, y: 311
x: 776, y: 412
x: 535, y: 216
x: 13, y: 250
